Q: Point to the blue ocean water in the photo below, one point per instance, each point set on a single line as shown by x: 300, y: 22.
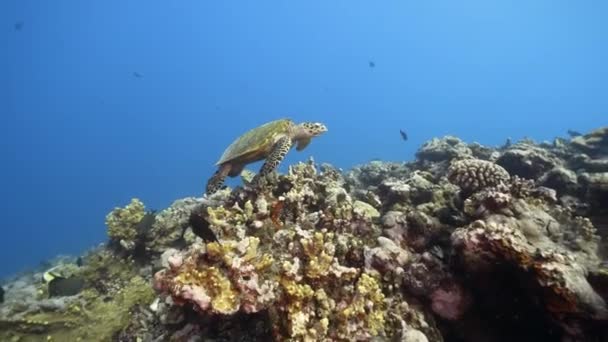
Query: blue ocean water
x: 102, y: 101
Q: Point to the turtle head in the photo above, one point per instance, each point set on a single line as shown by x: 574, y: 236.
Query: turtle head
x: 311, y: 129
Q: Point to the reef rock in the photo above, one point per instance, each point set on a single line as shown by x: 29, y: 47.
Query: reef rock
x: 594, y: 143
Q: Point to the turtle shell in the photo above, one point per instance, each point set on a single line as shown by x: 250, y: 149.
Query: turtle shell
x: 256, y: 143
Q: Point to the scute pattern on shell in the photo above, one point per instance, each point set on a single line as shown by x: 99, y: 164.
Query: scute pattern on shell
x: 255, y: 139
x: 476, y: 174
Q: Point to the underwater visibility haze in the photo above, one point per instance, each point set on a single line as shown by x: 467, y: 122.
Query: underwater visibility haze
x: 105, y: 101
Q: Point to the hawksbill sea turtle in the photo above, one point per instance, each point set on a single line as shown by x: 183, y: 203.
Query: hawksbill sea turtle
x: 270, y: 141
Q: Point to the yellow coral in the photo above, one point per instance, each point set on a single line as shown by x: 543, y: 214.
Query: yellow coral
x: 264, y: 262
x: 320, y: 253
x: 229, y: 221
x: 218, y: 216
x: 252, y: 249
x: 218, y: 273
x: 224, y: 298
x: 368, y: 305
x: 227, y: 251
x: 324, y: 305
x: 296, y: 291
x: 248, y: 209
x: 223, y: 251
x: 122, y: 222
x: 299, y: 295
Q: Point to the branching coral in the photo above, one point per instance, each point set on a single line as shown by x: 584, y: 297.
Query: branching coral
x: 367, y: 305
x: 319, y: 250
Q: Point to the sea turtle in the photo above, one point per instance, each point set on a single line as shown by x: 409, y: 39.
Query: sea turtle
x: 270, y: 141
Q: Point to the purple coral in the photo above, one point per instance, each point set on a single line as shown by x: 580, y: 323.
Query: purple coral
x: 450, y: 301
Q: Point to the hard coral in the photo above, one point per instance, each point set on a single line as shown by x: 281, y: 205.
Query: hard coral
x: 475, y: 174
x: 221, y: 278
x: 122, y: 223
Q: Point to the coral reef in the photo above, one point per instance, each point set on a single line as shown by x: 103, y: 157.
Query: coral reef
x: 310, y: 276
x: 466, y: 243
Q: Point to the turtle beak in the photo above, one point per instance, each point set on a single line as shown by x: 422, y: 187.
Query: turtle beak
x: 321, y: 128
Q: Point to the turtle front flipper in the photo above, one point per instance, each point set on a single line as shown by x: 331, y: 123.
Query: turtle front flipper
x: 217, y: 180
x: 279, y: 150
x: 302, y: 143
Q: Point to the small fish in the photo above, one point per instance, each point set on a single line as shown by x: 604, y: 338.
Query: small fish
x: 437, y: 252
x: 403, y: 135
x: 50, y: 274
x: 79, y: 262
x: 372, y: 64
x: 18, y: 25
x: 573, y: 133
x: 1, y: 295
x: 136, y: 74
x: 200, y: 227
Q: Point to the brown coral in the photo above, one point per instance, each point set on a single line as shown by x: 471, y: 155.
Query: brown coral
x: 475, y: 174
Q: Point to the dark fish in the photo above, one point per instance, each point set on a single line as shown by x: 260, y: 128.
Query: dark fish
x: 573, y: 133
x: 200, y: 227
x: 372, y: 64
x: 403, y: 135
x: 1, y: 295
x: 79, y: 262
x: 18, y: 25
x: 60, y: 287
x: 145, y: 224
x: 136, y: 74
